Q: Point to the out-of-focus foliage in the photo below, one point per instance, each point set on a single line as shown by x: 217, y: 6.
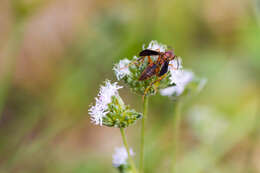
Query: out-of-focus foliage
x: 55, y: 53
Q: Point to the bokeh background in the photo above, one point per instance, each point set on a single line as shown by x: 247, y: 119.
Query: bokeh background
x: 54, y: 54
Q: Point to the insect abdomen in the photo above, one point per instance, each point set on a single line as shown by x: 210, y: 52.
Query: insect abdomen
x: 148, y: 72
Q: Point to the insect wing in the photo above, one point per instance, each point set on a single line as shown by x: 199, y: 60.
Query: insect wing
x: 148, y: 52
x: 164, y: 68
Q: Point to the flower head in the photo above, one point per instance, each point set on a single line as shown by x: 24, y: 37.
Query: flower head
x: 131, y: 75
x: 105, y: 94
x: 121, y: 69
x: 110, y: 109
x: 120, y: 156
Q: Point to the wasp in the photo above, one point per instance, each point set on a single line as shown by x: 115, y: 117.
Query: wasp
x: 158, y: 67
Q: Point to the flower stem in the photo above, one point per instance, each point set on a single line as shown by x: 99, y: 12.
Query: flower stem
x: 176, y: 128
x: 145, y: 108
x: 128, y: 151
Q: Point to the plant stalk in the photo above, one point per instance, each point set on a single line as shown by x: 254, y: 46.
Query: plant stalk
x: 145, y: 109
x: 128, y: 151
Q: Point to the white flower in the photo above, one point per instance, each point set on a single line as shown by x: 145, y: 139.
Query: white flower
x: 169, y: 91
x: 154, y: 45
x: 120, y: 156
x: 121, y: 69
x: 98, y: 111
x: 180, y: 78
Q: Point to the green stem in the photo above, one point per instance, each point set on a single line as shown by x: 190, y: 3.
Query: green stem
x: 176, y: 128
x: 145, y: 108
x: 128, y: 151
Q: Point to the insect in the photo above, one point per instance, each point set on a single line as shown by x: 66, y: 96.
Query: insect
x: 158, y: 67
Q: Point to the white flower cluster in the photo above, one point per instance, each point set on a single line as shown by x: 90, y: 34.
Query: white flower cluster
x: 121, y: 69
x: 179, y: 77
x: 99, y: 111
x: 120, y: 156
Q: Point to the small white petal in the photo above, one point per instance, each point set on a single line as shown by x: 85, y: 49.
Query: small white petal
x: 180, y: 78
x: 169, y: 91
x: 105, y: 94
x: 121, y: 69
x: 154, y: 45
x: 120, y: 156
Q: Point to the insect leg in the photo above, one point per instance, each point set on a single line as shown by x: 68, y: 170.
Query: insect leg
x: 158, y: 80
x: 150, y: 60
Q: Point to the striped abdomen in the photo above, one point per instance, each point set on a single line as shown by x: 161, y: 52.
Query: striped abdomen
x: 148, y: 72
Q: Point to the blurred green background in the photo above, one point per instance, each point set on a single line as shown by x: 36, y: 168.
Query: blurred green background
x: 54, y: 54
